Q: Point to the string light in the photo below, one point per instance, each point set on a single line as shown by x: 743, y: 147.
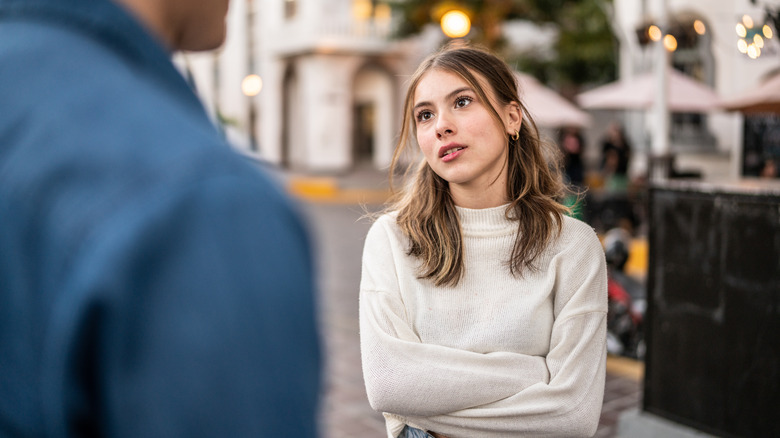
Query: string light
x: 670, y: 42
x: 699, y: 27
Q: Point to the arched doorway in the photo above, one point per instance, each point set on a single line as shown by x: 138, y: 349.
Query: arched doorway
x: 373, y: 113
x: 291, y: 138
x: 693, y: 57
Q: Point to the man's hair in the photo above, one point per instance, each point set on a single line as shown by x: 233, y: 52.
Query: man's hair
x: 426, y: 212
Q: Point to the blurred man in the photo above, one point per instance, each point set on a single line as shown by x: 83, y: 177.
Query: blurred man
x: 152, y: 282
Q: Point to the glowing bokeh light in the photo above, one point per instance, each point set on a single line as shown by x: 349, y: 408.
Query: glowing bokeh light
x: 455, y: 24
x: 251, y: 85
x: 767, y: 31
x: 741, y: 31
x: 758, y: 41
x: 654, y: 32
x: 670, y: 43
x: 699, y: 27
x: 753, y: 52
x: 742, y: 46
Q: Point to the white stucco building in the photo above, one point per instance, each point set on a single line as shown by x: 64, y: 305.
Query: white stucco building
x: 333, y: 80
x: 709, y: 143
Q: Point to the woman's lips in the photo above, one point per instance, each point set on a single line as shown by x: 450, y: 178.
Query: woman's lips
x: 451, y: 152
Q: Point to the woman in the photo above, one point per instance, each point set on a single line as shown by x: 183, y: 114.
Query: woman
x: 482, y: 306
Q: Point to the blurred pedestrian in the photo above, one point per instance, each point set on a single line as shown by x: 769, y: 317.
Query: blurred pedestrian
x: 154, y: 283
x: 572, y: 143
x: 616, y: 156
x: 482, y: 305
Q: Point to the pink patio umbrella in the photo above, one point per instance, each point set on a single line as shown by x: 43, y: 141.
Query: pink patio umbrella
x: 548, y: 108
x: 765, y: 98
x: 685, y: 94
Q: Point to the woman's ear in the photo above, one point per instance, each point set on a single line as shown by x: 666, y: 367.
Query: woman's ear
x: 513, y: 118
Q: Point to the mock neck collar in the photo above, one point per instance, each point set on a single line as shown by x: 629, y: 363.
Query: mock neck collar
x: 491, y: 220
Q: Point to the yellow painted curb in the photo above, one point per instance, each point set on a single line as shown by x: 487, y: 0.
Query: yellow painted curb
x: 636, y: 264
x: 327, y: 190
x: 312, y: 187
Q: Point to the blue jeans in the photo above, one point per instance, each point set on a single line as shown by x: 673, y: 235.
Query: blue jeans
x: 413, y: 432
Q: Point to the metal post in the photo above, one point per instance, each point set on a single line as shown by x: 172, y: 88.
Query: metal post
x: 660, y: 157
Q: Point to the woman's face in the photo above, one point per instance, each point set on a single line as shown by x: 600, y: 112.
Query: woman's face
x: 458, y: 135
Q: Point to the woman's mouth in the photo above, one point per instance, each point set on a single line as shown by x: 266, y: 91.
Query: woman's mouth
x: 449, y: 153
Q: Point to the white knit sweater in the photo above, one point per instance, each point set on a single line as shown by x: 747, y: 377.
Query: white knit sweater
x: 497, y: 355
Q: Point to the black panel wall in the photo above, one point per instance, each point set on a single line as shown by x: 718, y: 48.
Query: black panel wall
x: 713, y: 339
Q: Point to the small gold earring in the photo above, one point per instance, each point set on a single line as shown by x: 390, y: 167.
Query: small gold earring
x: 516, y: 135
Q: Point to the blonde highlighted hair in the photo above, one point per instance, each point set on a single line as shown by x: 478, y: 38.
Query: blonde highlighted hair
x: 426, y: 212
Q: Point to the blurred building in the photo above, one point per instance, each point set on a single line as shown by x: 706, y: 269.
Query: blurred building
x: 331, y: 80
x: 331, y: 77
x: 706, y: 46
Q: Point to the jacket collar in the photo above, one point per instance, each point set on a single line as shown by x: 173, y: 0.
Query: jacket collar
x: 106, y: 21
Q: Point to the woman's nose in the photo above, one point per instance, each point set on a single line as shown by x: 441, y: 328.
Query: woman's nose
x: 444, y: 126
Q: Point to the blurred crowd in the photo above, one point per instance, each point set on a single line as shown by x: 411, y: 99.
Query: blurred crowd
x: 604, y: 195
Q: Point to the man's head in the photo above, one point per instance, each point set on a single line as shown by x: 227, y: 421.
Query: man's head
x: 192, y: 25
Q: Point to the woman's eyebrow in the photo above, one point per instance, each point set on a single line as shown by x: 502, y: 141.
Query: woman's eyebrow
x: 449, y: 96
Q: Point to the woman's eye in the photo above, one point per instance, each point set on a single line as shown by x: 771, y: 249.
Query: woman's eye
x: 424, y: 115
x: 462, y: 101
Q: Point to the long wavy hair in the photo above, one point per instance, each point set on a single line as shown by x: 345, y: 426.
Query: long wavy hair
x: 426, y: 211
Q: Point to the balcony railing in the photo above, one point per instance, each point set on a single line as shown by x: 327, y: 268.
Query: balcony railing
x: 335, y: 35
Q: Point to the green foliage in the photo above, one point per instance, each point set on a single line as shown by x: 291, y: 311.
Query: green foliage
x: 585, y: 49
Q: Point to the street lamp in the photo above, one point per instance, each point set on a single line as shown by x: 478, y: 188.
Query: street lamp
x: 752, y: 37
x: 455, y: 24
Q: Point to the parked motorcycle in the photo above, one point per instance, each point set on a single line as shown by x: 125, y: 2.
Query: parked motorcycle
x: 626, y: 299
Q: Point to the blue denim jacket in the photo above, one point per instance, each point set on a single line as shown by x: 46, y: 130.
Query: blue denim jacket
x: 152, y: 282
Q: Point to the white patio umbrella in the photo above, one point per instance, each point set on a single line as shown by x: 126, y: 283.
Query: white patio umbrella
x: 764, y: 98
x: 548, y: 108
x: 684, y: 94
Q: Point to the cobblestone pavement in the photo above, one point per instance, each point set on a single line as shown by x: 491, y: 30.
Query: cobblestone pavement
x: 339, y: 233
